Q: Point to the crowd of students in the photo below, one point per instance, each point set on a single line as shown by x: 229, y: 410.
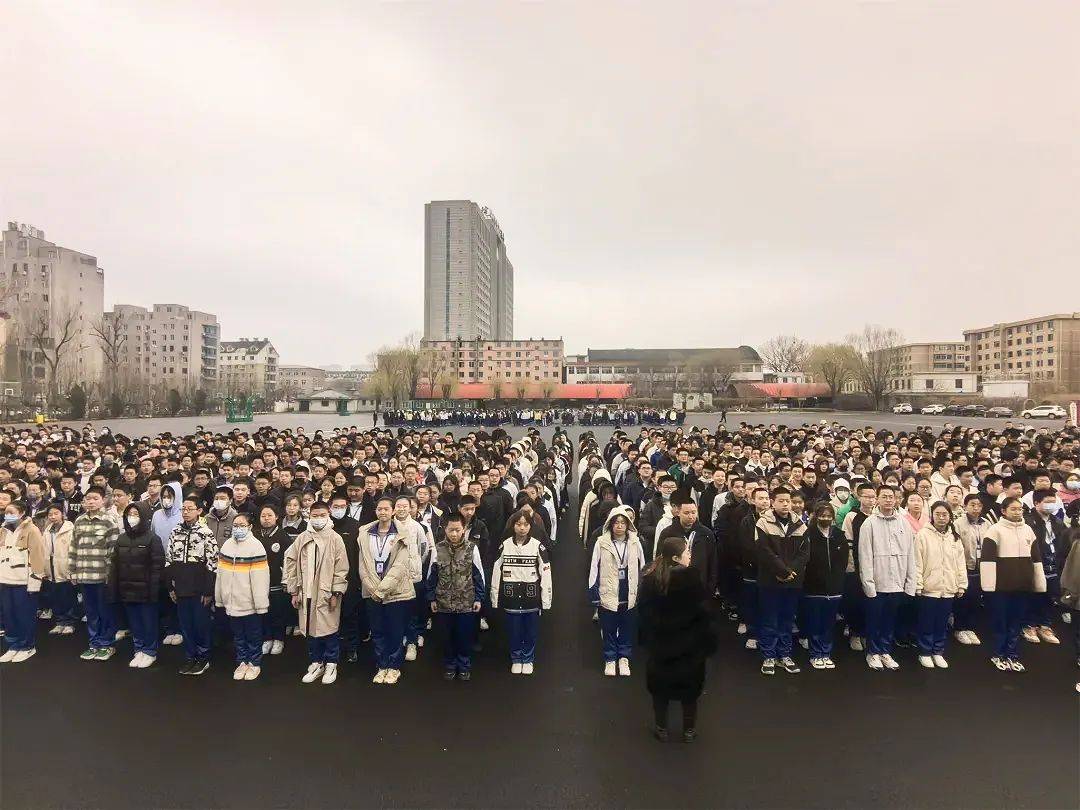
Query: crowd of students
x: 909, y: 539
x: 798, y: 534
x: 589, y: 416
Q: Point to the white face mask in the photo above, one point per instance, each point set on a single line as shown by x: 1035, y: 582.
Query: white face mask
x: 337, y: 514
x: 134, y: 521
x: 221, y: 505
x: 319, y: 523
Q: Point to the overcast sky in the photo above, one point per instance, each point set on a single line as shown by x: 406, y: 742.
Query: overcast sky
x: 667, y: 174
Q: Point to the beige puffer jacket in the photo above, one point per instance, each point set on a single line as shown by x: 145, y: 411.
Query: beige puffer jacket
x: 940, y: 567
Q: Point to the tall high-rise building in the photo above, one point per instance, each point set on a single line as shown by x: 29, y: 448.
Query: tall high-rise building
x: 468, y: 279
x: 57, y: 294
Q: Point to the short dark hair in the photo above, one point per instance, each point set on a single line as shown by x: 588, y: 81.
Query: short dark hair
x: 455, y: 517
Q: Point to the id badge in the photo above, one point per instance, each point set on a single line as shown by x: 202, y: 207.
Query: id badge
x: 380, y: 568
x: 622, y: 573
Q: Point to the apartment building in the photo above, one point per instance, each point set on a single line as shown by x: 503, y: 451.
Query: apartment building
x: 248, y: 366
x: 469, y: 361
x: 301, y: 379
x: 166, y: 345
x: 1045, y: 349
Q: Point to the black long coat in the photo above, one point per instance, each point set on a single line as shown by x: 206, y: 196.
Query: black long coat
x: 680, y: 635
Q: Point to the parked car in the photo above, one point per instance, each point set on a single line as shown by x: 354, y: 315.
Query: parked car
x: 1045, y: 412
x: 903, y: 407
x: 973, y: 410
x: 931, y: 409
x: 951, y: 410
x: 1000, y: 412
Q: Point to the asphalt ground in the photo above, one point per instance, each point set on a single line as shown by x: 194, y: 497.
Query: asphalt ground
x: 98, y: 734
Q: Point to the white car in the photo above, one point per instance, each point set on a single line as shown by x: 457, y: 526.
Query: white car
x: 903, y: 407
x: 932, y: 409
x: 1045, y: 412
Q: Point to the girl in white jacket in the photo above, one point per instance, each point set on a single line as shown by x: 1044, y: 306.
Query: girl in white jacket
x: 940, y: 575
x: 521, y: 585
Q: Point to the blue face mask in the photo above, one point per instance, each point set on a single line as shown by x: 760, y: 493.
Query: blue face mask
x: 239, y: 532
x: 11, y: 520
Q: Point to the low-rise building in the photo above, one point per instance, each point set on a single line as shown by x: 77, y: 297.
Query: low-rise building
x: 294, y: 380
x: 934, y: 382
x: 653, y: 370
x: 248, y: 366
x: 469, y: 361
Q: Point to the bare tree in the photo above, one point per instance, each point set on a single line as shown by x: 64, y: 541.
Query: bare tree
x: 111, y: 334
x: 520, y: 388
x: 832, y: 364
x: 722, y: 373
x: 55, y: 342
x: 876, y: 350
x: 784, y: 353
x: 547, y: 389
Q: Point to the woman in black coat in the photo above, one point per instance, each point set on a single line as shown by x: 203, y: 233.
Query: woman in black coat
x: 137, y: 563
x: 679, y: 634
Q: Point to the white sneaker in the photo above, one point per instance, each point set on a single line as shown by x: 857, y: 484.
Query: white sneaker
x: 380, y: 677
x: 856, y: 643
x: 147, y: 661
x: 624, y: 667
x: 277, y: 648
x: 817, y: 663
x: 314, y: 672
x: 393, y: 676
x: 252, y: 673
x: 804, y: 643
x: 874, y: 662
x: 515, y: 669
x: 889, y: 662
x: 961, y: 636
x: 940, y: 662
x: 266, y: 647
x: 136, y: 662
x: 926, y: 661
x: 67, y: 630
x: 526, y: 669
x: 329, y: 674
x: 121, y: 634
x: 741, y: 629
x: 483, y: 624
x: 828, y: 662
x: 174, y: 640
x: 609, y: 669
x: 57, y: 629
x: 751, y: 644
x: 419, y: 641
x: 972, y: 638
x: 410, y: 652
x: 7, y: 656
x: 429, y: 624
x: 240, y: 672
x: 22, y: 655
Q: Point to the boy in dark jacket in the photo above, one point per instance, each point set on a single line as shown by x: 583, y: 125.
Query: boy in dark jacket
x: 1054, y: 546
x: 782, y: 553
x: 351, y: 613
x: 823, y: 585
x: 190, y: 568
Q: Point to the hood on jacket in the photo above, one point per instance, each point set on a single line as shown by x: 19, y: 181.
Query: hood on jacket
x: 599, y: 477
x: 178, y: 500
x: 145, y: 515
x: 619, y: 511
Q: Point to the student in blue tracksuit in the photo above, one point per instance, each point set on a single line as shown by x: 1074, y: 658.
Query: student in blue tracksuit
x: 455, y: 591
x: 521, y: 585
